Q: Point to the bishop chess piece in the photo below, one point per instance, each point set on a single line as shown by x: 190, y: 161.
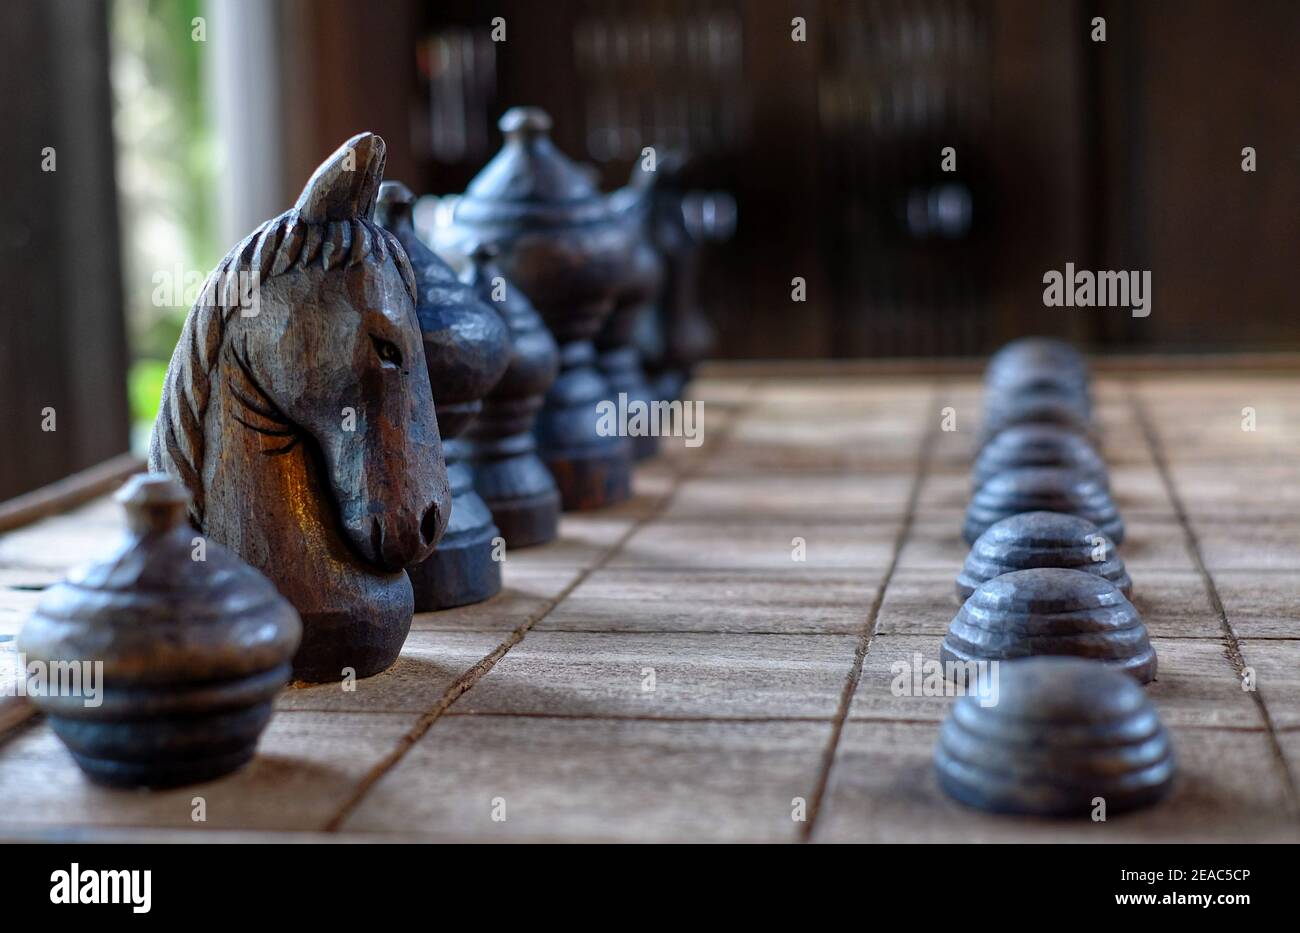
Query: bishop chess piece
x: 568, y: 247
x: 1050, y: 611
x: 618, y: 356
x: 1042, y: 539
x: 193, y: 650
x: 466, y: 351
x: 1062, y: 734
x: 1042, y: 489
x: 508, y: 474
x: 676, y: 334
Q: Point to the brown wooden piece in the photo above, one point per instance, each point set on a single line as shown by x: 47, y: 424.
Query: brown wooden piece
x: 568, y: 247
x: 297, y: 412
x: 194, y: 645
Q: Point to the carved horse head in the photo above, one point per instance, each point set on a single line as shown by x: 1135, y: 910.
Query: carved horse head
x: 306, y: 336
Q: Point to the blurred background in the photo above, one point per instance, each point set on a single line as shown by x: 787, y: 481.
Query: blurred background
x: 146, y: 137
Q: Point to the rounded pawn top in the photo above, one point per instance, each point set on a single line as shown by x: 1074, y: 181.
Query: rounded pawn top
x: 154, y: 502
x: 1061, y: 733
x: 1042, y: 489
x: 1042, y: 539
x: 1050, y: 611
x: 1038, y: 445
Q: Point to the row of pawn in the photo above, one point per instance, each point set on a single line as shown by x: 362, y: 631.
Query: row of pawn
x: 1046, y: 611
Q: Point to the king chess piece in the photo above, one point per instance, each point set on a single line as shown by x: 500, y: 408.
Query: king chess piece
x: 568, y: 247
x: 508, y: 474
x: 467, y: 350
x: 297, y: 414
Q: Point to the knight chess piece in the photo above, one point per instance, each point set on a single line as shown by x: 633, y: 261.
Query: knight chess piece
x: 1050, y: 611
x: 1042, y: 489
x: 466, y: 351
x: 195, y: 644
x: 568, y: 247
x: 618, y: 356
x: 1038, y: 445
x: 676, y: 334
x: 1042, y: 539
x: 508, y: 474
x: 1063, y: 733
x: 297, y: 412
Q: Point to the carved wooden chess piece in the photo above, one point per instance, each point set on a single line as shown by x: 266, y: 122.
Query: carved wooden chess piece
x: 1050, y: 611
x: 1038, y: 445
x: 1061, y: 734
x: 567, y: 246
x: 508, y: 474
x: 1042, y: 539
x: 194, y: 644
x: 297, y: 412
x: 1041, y: 489
x: 466, y: 349
x: 676, y: 334
x: 618, y: 356
x: 1063, y: 408
x: 1037, y: 364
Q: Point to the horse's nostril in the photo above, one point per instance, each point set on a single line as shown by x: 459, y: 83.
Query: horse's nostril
x: 429, y: 525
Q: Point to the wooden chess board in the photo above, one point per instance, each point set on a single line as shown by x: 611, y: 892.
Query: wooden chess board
x: 669, y: 671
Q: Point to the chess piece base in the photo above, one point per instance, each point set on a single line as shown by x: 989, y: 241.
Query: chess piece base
x: 527, y: 521
x: 460, y: 572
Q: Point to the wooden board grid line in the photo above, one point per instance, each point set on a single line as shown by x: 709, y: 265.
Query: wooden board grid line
x: 466, y: 681
x: 925, y: 455
x: 1230, y: 637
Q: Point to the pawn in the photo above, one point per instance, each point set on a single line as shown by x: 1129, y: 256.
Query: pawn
x: 1038, y: 445
x: 508, y: 474
x: 1042, y: 489
x: 1035, y: 364
x: 193, y: 650
x: 1050, y: 611
x: 466, y: 351
x: 1042, y: 539
x: 1062, y: 407
x: 1062, y: 733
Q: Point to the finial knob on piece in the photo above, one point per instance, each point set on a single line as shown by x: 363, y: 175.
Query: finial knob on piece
x: 154, y: 503
x: 524, y: 122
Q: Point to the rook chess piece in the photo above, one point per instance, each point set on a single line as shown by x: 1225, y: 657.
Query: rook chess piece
x: 296, y: 411
x: 193, y: 650
x: 466, y: 350
x: 1041, y: 489
x: 508, y: 474
x: 1062, y: 733
x: 1038, y: 445
x: 1050, y: 611
x: 567, y: 246
x: 1042, y: 539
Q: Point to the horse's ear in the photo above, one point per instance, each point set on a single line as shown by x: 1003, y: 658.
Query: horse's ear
x: 345, y: 185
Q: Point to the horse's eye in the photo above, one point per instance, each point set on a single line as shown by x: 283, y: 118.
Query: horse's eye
x: 387, y: 351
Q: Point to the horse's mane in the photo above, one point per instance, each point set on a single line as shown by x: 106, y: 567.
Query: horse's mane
x: 330, y: 227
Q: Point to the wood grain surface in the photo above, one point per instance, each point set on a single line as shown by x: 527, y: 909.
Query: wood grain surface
x: 771, y: 677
